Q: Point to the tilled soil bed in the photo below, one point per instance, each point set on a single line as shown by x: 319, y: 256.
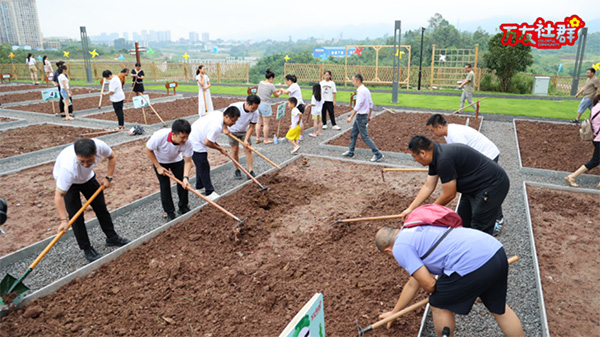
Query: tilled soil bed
x: 565, y: 227
x: 29, y: 193
x: 37, y: 137
x: 167, y: 111
x: 78, y: 103
x: 392, y: 132
x: 37, y: 96
x: 5, y: 88
x: 553, y: 146
x: 208, y: 277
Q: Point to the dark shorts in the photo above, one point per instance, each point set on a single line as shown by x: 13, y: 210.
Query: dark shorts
x: 458, y: 293
x: 139, y: 87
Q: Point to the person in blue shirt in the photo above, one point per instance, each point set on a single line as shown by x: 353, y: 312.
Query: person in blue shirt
x: 470, y: 264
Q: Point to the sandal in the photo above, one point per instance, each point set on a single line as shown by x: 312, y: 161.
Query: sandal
x: 268, y: 141
x: 258, y: 141
x: 120, y: 128
x: 571, y: 181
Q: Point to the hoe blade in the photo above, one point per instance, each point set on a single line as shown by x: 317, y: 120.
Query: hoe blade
x: 10, y: 285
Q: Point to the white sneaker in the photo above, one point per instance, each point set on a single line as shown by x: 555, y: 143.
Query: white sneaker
x: 325, y: 127
x: 295, y: 150
x: 375, y: 158
x: 213, y: 196
x: 301, y: 138
x: 336, y: 127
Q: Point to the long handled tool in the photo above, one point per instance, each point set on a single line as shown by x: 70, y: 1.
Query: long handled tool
x: 101, y: 94
x: 10, y: 284
x: 204, y: 94
x: 477, y: 102
x: 383, y: 217
x: 254, y: 150
x: 131, y: 92
x: 98, y: 133
x: 151, y: 107
x: 361, y: 332
x: 262, y: 188
x: 189, y: 188
x: 401, y: 170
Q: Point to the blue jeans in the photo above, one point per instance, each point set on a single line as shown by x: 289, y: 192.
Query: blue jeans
x: 360, y: 126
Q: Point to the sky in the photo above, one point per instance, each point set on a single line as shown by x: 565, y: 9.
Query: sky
x: 278, y: 20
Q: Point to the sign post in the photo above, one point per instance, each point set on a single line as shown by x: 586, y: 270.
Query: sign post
x: 171, y: 85
x: 50, y: 95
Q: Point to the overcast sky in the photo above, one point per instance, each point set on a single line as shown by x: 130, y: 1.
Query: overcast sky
x: 237, y: 19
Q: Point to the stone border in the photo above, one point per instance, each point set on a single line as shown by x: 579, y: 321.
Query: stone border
x: 13, y: 124
x: 586, y: 178
x: 37, y: 101
x: 90, y: 267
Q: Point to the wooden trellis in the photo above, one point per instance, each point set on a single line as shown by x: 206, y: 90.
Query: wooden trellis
x: 375, y: 74
x: 448, y: 66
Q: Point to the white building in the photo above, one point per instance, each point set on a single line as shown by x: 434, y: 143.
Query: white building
x: 19, y: 23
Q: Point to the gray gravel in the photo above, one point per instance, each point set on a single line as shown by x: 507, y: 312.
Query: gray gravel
x: 65, y: 257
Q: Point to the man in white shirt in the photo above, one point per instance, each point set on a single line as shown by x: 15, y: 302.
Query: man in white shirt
x: 462, y: 134
x: 362, y: 110
x: 74, y: 174
x: 117, y: 96
x: 165, y: 149
x: 203, y: 136
x: 243, y: 130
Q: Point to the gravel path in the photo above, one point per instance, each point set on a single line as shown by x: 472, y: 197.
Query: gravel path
x: 65, y: 257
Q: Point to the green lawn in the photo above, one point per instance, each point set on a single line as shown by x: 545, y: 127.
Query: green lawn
x: 518, y: 107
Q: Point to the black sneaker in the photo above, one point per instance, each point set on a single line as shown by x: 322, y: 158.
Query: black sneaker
x: 91, y: 254
x: 252, y: 174
x: 237, y: 174
x: 116, y: 241
x: 184, y: 210
x: 171, y: 216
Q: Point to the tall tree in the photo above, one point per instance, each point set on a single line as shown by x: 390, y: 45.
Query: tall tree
x: 507, y: 61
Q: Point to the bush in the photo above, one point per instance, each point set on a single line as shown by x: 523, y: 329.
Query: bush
x: 521, y: 84
x: 488, y: 84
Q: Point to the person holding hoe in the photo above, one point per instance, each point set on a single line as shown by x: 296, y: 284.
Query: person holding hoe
x: 470, y: 264
x: 243, y: 130
x: 117, y: 96
x: 165, y: 149
x: 74, y: 174
x: 138, y: 78
x: 203, y: 136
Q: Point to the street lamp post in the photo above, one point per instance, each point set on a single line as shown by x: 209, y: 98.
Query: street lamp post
x: 421, y: 58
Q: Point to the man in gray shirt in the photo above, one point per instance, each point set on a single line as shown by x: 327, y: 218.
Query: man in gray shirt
x: 467, y: 86
x: 589, y: 91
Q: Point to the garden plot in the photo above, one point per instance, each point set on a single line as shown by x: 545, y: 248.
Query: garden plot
x: 37, y: 96
x: 565, y: 229
x: 206, y: 276
x: 22, y: 87
x: 392, y: 132
x: 552, y: 146
x: 30, y: 193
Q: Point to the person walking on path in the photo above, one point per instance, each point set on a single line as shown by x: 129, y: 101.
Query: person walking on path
x: 33, y: 71
x: 205, y: 103
x: 467, y: 86
x: 316, y: 105
x: 74, y: 174
x: 293, y: 135
x: 61, y: 102
x: 138, y: 79
x: 65, y: 91
x: 362, y: 110
x: 47, y: 68
x: 462, y: 134
x: 203, y: 136
x: 483, y: 184
x: 590, y: 89
x: 165, y: 149
x: 470, y: 265
x: 117, y: 97
x: 329, y: 94
x: 265, y: 109
x: 595, y: 161
x: 243, y: 130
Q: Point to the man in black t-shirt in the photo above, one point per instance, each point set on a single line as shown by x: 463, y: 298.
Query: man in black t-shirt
x: 482, y: 182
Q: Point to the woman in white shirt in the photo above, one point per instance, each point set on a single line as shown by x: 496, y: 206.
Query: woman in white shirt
x: 205, y: 103
x: 65, y: 90
x: 293, y: 90
x: 47, y: 68
x: 30, y: 61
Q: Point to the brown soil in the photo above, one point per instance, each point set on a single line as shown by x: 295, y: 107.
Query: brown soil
x: 37, y: 137
x: 4, y: 88
x: 565, y: 227
x: 167, y: 111
x: 553, y: 146
x: 79, y: 104
x: 208, y: 277
x: 32, y: 96
x: 392, y: 132
x: 29, y: 194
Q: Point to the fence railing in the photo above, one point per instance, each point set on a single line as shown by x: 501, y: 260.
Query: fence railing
x: 218, y: 72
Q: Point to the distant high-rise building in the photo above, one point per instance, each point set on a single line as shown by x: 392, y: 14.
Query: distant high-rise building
x: 167, y: 35
x: 136, y: 36
x: 205, y: 37
x: 19, y: 23
x: 126, y: 36
x: 194, y: 37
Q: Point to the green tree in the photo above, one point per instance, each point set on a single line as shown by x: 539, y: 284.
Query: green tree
x: 507, y: 60
x: 122, y: 44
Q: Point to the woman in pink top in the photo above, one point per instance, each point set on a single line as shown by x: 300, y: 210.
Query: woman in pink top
x: 595, y: 161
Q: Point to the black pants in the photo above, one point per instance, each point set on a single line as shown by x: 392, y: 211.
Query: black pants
x: 479, y: 210
x: 118, y: 106
x: 73, y: 203
x: 165, y: 187
x: 203, y: 172
x: 595, y: 161
x: 327, y: 106
x: 500, y: 215
x: 61, y: 106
